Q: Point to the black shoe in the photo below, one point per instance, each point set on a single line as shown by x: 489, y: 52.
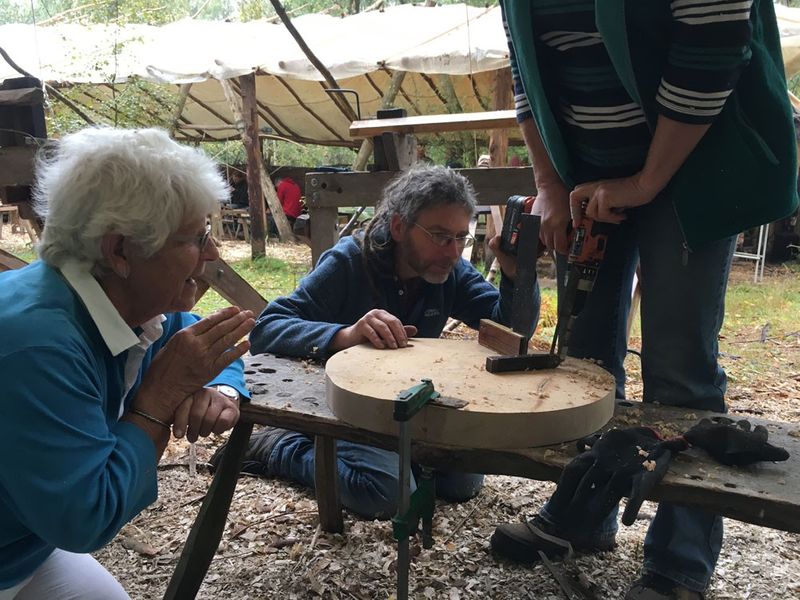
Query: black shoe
x: 522, y: 542
x: 259, y: 449
x: 657, y: 587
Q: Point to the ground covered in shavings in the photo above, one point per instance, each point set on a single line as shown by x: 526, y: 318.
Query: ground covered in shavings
x: 272, y: 547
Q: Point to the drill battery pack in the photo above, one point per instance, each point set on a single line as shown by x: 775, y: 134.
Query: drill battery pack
x: 516, y: 206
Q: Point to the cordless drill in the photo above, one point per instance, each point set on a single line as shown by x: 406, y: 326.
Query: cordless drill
x: 586, y: 251
x: 516, y: 206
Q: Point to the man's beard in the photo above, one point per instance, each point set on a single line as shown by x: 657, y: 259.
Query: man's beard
x: 430, y: 271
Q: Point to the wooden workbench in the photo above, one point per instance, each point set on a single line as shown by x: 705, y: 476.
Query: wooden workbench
x: 291, y: 394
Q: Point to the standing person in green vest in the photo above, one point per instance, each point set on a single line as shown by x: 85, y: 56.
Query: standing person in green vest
x: 670, y: 120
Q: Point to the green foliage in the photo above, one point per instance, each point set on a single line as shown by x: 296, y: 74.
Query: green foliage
x: 794, y: 83
x: 151, y: 12
x: 157, y: 12
x: 138, y: 103
x: 281, y: 153
x: 307, y: 155
x: 26, y: 253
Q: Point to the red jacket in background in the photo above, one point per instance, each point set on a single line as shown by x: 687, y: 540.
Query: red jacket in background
x: 289, y: 194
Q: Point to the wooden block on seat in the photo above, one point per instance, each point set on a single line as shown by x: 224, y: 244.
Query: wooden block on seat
x: 501, y: 338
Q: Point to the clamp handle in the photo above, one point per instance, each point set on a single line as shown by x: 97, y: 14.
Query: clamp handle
x: 409, y: 402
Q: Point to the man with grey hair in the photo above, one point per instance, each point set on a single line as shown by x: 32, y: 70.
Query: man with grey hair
x: 99, y: 361
x: 403, y: 276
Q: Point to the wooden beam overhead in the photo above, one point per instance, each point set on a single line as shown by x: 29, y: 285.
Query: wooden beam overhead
x: 496, y: 119
x: 340, y: 102
x: 435, y: 89
x: 493, y: 186
x: 206, y: 107
x: 308, y: 109
x: 483, y: 104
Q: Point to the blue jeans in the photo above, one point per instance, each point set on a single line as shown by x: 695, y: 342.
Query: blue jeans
x: 369, y: 477
x: 682, y: 309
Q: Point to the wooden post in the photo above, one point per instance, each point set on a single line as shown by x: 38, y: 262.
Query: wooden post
x: 247, y: 83
x: 181, y: 104
x: 267, y: 189
x: 498, y: 138
x: 323, y: 230
x: 498, y: 152
x: 326, y: 484
x: 365, y: 152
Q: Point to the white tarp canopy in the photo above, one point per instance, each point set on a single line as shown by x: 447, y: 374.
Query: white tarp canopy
x: 451, y: 55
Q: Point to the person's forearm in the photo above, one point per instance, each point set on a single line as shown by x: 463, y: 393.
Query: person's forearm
x: 544, y: 173
x: 344, y: 338
x: 672, y: 144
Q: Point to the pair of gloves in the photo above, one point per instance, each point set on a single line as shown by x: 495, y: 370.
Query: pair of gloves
x: 632, y: 461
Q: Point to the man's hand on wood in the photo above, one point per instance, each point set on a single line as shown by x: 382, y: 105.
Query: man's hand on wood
x: 379, y: 328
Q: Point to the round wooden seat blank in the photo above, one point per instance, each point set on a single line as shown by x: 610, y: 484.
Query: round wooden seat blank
x: 503, y: 410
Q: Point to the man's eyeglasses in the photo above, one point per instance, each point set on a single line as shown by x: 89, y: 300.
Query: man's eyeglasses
x: 201, y: 240
x: 444, y: 239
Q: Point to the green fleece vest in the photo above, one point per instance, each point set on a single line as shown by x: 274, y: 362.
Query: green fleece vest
x: 743, y: 173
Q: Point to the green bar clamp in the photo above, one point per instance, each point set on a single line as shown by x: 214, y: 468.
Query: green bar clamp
x: 409, y: 402
x: 423, y: 501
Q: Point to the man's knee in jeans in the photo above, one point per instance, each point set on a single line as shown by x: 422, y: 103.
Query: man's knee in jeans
x: 371, y: 499
x: 378, y: 497
x: 455, y: 486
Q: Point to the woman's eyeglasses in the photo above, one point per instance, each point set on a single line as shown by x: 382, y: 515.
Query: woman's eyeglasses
x: 444, y: 239
x: 201, y: 240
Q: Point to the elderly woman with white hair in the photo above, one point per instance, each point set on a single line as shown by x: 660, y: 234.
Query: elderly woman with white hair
x: 98, y: 358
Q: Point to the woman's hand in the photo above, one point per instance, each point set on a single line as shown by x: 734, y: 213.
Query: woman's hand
x: 205, y: 412
x: 606, y: 200
x: 191, y: 358
x: 552, y: 205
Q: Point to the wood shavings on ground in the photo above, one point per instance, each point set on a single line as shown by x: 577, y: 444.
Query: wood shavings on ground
x: 271, y: 547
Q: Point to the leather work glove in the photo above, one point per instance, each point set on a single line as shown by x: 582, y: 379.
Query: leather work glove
x: 734, y: 443
x: 621, y: 462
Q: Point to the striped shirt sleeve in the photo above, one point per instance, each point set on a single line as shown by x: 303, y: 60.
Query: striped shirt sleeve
x: 521, y: 105
x: 710, y: 47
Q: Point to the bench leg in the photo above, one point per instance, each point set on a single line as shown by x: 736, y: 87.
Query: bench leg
x: 326, y: 484
x: 206, y: 532
x: 31, y: 230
